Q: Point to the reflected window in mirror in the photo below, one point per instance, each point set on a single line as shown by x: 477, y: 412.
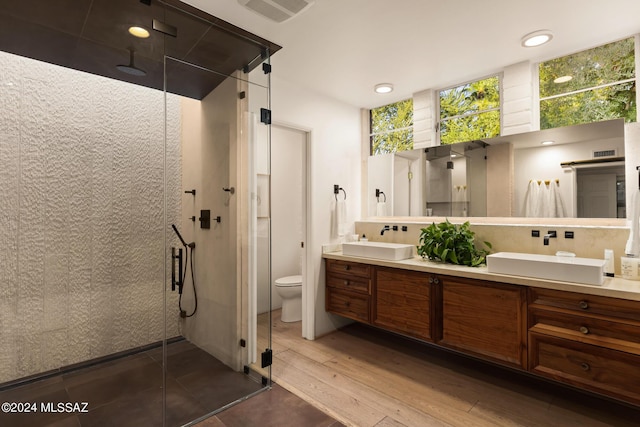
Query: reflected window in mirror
x: 589, y: 86
x: 470, y: 111
x: 391, y: 127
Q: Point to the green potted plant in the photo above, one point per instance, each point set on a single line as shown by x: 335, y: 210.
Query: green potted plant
x: 451, y: 243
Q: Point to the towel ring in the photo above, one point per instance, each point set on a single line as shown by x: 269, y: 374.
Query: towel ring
x: 336, y: 190
x: 378, y: 193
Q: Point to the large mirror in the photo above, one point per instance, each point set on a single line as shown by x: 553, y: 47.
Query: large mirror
x: 575, y: 171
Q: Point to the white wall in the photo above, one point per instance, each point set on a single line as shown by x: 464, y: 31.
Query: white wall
x: 335, y: 159
x: 81, y: 215
x: 380, y: 176
x: 287, y: 148
x: 209, y: 137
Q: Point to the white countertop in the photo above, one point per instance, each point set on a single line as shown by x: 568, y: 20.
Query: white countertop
x: 612, y: 287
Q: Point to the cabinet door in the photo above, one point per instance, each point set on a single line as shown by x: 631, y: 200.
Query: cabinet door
x: 485, y: 319
x: 403, y: 302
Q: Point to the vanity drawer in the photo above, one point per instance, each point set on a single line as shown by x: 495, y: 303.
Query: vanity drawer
x: 348, y: 268
x: 585, y: 304
x: 357, y: 284
x: 600, y: 330
x: 591, y: 367
x: 348, y: 304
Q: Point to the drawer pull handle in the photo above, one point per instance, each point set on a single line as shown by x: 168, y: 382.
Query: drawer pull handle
x: 584, y: 305
x: 585, y: 367
x: 346, y: 283
x: 347, y: 267
x: 347, y: 304
x: 584, y: 330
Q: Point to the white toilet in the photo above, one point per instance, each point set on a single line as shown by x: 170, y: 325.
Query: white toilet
x: 290, y: 290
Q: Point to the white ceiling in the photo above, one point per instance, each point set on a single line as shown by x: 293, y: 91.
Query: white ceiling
x: 342, y: 48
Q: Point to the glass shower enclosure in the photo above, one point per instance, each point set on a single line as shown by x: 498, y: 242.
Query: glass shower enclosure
x: 104, y: 308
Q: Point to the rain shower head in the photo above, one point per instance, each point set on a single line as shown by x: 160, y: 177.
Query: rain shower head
x: 131, y: 67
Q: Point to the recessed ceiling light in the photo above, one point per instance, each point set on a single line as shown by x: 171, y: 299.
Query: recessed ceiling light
x: 563, y: 79
x: 139, y: 32
x: 537, y: 38
x: 384, y: 88
x: 547, y: 142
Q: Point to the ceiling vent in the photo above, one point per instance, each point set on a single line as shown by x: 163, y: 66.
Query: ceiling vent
x: 603, y: 153
x: 277, y: 10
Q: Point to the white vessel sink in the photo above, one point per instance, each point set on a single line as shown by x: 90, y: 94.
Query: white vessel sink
x: 378, y: 250
x: 567, y: 269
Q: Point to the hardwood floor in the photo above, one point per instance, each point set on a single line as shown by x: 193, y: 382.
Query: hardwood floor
x: 365, y: 377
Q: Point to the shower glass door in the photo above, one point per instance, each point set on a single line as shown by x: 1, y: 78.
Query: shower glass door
x: 217, y: 307
x: 97, y: 163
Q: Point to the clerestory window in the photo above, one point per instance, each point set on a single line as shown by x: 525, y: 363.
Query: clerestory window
x: 391, y: 127
x: 589, y: 86
x: 470, y: 111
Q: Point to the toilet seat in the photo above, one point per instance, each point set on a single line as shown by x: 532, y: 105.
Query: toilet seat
x: 289, y: 281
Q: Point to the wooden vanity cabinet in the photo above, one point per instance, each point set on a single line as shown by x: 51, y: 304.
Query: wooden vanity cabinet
x: 588, y: 341
x: 406, y: 302
x: 485, y: 319
x: 348, y: 290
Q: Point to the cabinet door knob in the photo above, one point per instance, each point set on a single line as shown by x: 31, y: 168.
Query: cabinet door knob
x: 346, y: 283
x: 585, y: 366
x: 584, y: 330
x: 347, y: 304
x: 431, y: 280
x: 583, y: 304
x: 436, y: 281
x: 347, y: 267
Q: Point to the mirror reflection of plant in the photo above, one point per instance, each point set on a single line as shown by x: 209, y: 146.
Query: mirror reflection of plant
x: 451, y: 243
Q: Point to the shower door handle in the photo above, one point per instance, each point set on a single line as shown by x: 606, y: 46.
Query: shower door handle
x: 175, y: 282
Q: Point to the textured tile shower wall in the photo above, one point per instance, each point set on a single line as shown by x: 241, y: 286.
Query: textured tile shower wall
x: 81, y: 215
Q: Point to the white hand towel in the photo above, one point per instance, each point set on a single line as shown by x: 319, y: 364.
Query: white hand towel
x: 341, y: 217
x: 531, y: 200
x: 560, y: 211
x: 381, y: 209
x: 548, y: 200
x: 633, y: 243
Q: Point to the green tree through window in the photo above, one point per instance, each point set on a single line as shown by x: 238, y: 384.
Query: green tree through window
x: 590, y: 86
x: 470, y: 111
x: 392, y: 127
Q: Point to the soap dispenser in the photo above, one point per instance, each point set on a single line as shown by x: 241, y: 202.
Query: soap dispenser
x: 608, y: 263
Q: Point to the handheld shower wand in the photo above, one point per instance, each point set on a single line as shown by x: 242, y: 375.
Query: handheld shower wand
x: 189, y: 247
